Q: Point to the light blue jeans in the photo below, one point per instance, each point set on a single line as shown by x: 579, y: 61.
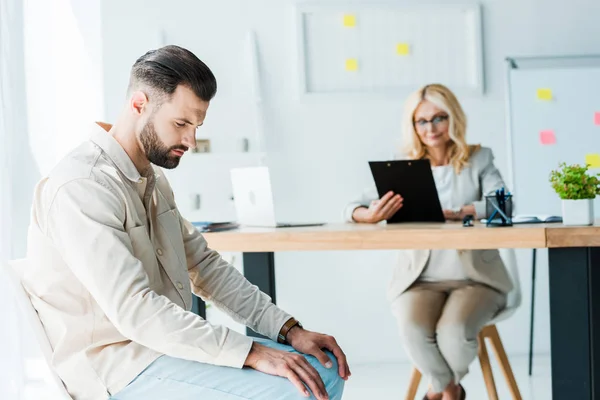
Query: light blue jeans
x: 176, y: 379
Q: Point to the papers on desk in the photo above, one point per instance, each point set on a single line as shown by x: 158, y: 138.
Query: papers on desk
x: 532, y: 219
x: 205, y: 226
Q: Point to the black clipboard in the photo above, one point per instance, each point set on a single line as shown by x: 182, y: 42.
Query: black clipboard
x: 413, y: 180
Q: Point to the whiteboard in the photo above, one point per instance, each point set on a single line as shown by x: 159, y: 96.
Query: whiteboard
x: 570, y: 115
x: 442, y: 43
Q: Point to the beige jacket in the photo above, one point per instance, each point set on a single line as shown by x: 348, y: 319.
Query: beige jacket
x: 485, y: 266
x: 111, y: 269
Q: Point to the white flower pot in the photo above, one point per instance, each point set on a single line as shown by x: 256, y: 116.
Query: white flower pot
x: 578, y: 212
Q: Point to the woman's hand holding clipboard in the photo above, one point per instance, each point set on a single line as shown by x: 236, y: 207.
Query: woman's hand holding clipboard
x: 379, y: 210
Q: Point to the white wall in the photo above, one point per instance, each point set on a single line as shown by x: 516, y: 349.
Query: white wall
x: 319, y: 148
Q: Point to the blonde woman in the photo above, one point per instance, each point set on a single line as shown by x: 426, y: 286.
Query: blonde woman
x: 442, y: 298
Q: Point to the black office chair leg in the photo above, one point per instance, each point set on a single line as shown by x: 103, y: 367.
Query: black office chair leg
x: 533, y: 266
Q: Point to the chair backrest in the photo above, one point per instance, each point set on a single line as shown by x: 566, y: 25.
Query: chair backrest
x: 12, y: 271
x: 514, y: 297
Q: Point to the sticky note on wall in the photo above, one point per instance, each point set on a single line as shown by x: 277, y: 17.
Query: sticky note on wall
x: 402, y: 49
x: 351, y: 64
x: 593, y: 160
x: 349, y: 21
x: 544, y: 94
x: 547, y: 137
x: 597, y: 118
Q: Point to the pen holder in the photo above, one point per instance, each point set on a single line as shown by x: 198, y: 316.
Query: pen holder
x: 499, y: 209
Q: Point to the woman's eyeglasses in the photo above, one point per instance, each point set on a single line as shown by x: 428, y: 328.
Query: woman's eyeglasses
x: 435, y: 121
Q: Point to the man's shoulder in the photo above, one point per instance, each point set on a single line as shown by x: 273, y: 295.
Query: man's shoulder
x: 76, y: 164
x: 84, y: 163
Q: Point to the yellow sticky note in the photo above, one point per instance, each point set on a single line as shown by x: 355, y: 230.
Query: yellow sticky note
x: 593, y: 160
x: 402, y: 49
x: 351, y: 64
x: 544, y: 94
x: 349, y: 21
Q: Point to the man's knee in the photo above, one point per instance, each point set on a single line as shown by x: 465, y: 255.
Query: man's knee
x: 331, y: 377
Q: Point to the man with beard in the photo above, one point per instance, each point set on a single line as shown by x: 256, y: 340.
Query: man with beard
x: 112, y: 266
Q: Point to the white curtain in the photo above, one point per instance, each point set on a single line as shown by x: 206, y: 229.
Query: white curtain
x: 5, y: 128
x: 12, y: 108
x: 63, y: 64
x: 50, y: 91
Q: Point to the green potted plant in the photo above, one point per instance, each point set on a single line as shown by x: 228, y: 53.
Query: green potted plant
x: 577, y: 189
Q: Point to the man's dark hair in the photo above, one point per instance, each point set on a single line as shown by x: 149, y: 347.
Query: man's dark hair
x: 164, y: 69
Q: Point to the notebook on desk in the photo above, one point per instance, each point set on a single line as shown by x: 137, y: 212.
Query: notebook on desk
x: 533, y: 219
x: 208, y: 226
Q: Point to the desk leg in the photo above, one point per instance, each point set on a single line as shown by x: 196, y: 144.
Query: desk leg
x: 575, y: 322
x: 259, y: 269
x: 532, y: 311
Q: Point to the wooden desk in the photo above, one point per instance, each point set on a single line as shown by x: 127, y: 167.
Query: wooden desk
x: 378, y: 237
x: 574, y: 275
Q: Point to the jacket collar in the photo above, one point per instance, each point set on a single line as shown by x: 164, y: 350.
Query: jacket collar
x: 103, y: 139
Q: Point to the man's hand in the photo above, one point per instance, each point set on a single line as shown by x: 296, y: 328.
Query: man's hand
x: 312, y: 343
x: 288, y: 365
x: 379, y: 210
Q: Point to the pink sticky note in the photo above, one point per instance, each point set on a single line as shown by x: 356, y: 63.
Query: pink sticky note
x: 547, y: 137
x: 597, y: 118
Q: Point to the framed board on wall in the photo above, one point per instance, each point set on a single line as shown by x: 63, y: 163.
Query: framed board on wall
x: 386, y: 47
x: 553, y: 116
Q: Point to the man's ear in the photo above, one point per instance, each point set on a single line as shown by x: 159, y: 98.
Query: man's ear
x: 138, y: 102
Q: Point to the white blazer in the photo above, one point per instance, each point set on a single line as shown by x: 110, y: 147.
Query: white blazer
x: 480, y: 177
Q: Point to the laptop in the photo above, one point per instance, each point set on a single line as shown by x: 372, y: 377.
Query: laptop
x: 253, y: 199
x: 414, y: 181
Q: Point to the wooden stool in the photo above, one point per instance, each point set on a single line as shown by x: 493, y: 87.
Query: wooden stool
x: 489, y: 332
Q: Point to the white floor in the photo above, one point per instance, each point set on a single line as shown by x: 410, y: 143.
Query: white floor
x: 390, y: 381
x: 383, y: 382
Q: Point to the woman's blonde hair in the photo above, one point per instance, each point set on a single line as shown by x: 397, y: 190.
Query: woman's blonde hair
x: 444, y: 99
